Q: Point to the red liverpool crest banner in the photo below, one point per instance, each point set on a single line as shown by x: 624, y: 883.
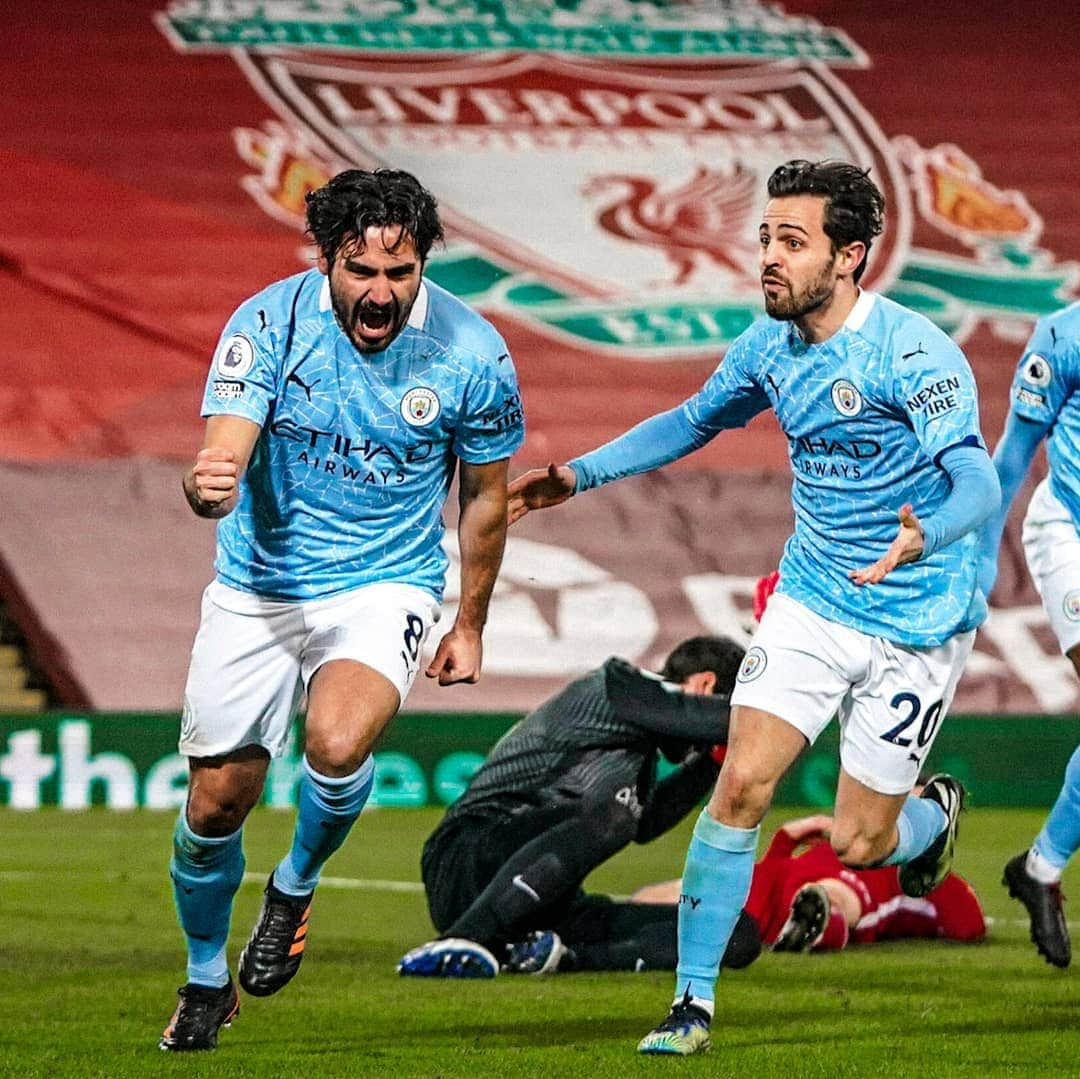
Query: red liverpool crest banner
x: 600, y: 169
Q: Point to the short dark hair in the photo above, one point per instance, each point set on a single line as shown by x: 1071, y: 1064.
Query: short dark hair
x: 721, y: 655
x: 355, y: 200
x: 854, y: 206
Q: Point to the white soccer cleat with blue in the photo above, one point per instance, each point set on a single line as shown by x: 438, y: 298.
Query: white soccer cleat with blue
x: 453, y: 957
x: 539, y: 953
x: 685, y: 1031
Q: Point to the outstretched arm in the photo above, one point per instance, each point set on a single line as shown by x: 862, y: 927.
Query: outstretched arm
x: 481, y: 537
x: 657, y: 441
x: 975, y: 495
x: 1012, y: 459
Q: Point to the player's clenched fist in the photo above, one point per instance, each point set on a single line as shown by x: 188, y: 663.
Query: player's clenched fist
x: 213, y: 482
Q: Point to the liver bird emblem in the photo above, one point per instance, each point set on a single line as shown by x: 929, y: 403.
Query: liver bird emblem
x: 704, y: 218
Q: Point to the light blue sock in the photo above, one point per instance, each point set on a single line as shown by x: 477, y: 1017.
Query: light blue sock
x: 716, y: 882
x: 1060, y: 835
x: 327, y: 809
x: 920, y: 822
x: 205, y: 873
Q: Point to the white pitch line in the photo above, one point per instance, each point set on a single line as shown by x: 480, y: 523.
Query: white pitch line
x: 351, y: 883
x: 358, y: 884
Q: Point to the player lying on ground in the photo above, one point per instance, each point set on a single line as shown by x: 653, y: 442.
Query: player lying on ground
x: 566, y: 788
x: 803, y: 898
x: 1045, y: 404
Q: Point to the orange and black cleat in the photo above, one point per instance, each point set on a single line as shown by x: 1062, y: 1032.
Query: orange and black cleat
x: 276, y: 946
x: 200, y: 1013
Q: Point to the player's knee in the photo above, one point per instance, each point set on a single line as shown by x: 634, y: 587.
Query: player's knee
x: 219, y: 815
x: 333, y: 753
x: 612, y: 821
x: 742, y: 797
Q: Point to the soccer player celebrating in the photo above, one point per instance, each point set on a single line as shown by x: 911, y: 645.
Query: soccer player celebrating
x: 339, y: 405
x: 1046, y: 403
x: 880, y: 411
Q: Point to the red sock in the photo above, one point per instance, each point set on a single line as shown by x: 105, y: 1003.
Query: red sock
x: 835, y: 936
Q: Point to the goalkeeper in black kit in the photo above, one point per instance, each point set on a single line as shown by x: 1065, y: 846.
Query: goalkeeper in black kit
x: 566, y: 788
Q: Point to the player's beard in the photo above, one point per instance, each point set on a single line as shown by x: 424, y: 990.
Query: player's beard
x: 352, y: 319
x: 791, y: 305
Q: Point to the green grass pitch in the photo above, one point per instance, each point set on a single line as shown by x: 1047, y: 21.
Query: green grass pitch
x: 90, y: 957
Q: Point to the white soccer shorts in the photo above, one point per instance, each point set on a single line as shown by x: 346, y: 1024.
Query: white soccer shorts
x: 890, y: 698
x: 253, y: 657
x: 1052, y: 550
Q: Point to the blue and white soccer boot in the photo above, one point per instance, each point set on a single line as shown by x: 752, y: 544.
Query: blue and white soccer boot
x: 539, y: 953
x: 453, y: 957
x: 683, y: 1032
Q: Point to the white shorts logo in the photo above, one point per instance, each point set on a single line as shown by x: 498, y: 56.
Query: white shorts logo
x: 419, y: 407
x: 1071, y: 605
x: 235, y: 357
x: 1037, y: 370
x: 847, y: 399
x: 753, y: 665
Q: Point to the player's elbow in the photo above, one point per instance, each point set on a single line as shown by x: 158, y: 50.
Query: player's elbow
x: 995, y: 495
x: 987, y: 494
x: 983, y: 487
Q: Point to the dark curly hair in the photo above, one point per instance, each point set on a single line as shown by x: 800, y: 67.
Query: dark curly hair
x: 854, y: 206
x: 721, y: 655
x: 354, y: 201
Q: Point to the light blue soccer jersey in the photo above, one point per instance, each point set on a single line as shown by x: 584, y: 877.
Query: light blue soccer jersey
x: 347, y: 480
x: 1046, y: 390
x: 867, y: 414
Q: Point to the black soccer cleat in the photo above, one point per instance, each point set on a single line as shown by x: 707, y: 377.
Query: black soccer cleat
x: 200, y: 1013
x: 273, y: 953
x: 806, y: 921
x: 1049, y: 933
x: 925, y: 872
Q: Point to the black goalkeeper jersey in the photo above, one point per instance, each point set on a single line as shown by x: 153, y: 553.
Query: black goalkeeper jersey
x: 602, y: 733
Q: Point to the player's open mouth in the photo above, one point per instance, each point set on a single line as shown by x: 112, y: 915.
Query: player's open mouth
x: 374, y: 322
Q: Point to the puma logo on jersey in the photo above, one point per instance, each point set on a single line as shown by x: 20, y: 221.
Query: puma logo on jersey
x: 306, y: 387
